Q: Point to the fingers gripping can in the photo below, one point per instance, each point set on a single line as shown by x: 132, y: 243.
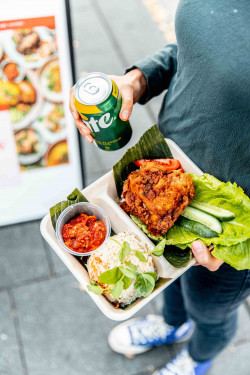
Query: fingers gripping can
x: 97, y: 100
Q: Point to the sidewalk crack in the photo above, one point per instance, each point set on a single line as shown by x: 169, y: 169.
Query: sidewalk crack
x: 18, y: 332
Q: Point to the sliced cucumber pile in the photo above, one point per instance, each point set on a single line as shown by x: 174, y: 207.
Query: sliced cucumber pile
x: 220, y: 213
x: 201, y: 217
x: 196, y: 228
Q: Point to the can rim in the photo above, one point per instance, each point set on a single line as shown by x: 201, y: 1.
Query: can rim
x: 90, y: 75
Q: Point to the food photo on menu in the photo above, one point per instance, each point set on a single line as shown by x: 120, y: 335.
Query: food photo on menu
x: 128, y: 188
x: 31, y: 91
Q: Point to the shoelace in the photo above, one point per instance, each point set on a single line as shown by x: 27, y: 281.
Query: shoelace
x: 149, y: 331
x: 183, y: 364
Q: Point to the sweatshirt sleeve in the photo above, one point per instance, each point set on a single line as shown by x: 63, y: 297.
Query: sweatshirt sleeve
x: 158, y: 69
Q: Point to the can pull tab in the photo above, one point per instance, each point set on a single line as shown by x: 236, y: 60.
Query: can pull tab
x: 90, y: 89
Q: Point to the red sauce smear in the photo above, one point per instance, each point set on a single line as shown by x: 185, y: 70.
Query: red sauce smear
x: 84, y: 233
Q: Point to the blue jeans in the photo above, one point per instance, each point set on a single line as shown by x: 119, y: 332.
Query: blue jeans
x: 211, y: 299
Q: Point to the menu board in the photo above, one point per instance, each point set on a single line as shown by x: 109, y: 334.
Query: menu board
x: 39, y: 148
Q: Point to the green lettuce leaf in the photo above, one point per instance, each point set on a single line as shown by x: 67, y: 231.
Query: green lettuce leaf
x: 144, y: 228
x: 232, y: 245
x: 177, y: 257
x: 238, y: 256
x: 230, y: 197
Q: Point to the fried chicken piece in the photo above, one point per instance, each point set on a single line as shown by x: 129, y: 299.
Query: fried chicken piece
x: 27, y: 92
x: 19, y: 34
x: 28, y: 43
x: 156, y: 196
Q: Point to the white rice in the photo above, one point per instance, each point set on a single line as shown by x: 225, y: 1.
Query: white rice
x: 106, y: 257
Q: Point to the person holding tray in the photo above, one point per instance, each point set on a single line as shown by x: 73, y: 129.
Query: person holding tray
x: 206, y: 111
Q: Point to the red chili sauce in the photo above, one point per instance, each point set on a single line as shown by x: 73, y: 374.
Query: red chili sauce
x: 84, y: 233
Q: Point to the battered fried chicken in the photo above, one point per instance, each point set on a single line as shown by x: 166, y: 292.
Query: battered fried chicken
x: 27, y: 40
x: 27, y: 92
x: 156, y: 196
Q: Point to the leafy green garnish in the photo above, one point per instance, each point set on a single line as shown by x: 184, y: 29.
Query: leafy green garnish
x: 153, y: 274
x: 129, y: 270
x: 125, y: 250
x: 117, y: 289
x: 144, y: 284
x: 122, y: 276
x: 95, y: 288
x: 60, y: 110
x: 111, y: 276
x: 140, y: 256
x: 159, y: 248
x: 126, y: 282
x: 144, y: 228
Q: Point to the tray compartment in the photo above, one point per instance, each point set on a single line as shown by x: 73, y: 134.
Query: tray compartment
x: 103, y: 193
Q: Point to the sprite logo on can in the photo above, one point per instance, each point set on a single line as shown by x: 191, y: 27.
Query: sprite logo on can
x: 98, y: 102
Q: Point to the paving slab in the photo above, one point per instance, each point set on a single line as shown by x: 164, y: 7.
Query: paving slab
x: 232, y: 361
x: 148, y: 362
x: 243, y: 332
x: 57, y: 265
x: 95, y: 52
x: 64, y: 332
x: 248, y: 301
x: 10, y: 363
x: 23, y: 257
x: 137, y: 34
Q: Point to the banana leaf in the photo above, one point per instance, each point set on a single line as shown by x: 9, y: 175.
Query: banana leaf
x: 75, y: 197
x: 177, y: 257
x: 151, y: 145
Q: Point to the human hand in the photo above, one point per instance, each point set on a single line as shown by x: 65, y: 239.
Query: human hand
x: 204, y: 257
x: 83, y: 129
x: 131, y: 87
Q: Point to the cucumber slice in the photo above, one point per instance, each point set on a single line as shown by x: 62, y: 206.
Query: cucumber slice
x: 196, y: 228
x: 220, y: 213
x: 203, y: 218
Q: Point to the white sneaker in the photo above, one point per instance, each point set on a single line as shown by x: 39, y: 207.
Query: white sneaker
x: 138, y: 335
x: 183, y: 364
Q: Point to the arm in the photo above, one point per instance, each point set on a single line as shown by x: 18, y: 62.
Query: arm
x: 158, y: 70
x: 144, y: 80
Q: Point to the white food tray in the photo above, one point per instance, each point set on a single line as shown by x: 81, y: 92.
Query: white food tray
x: 103, y: 193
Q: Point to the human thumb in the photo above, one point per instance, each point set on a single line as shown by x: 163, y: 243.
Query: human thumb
x: 127, y: 103
x: 204, y: 257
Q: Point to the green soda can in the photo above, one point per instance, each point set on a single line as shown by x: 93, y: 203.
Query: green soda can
x: 97, y: 100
